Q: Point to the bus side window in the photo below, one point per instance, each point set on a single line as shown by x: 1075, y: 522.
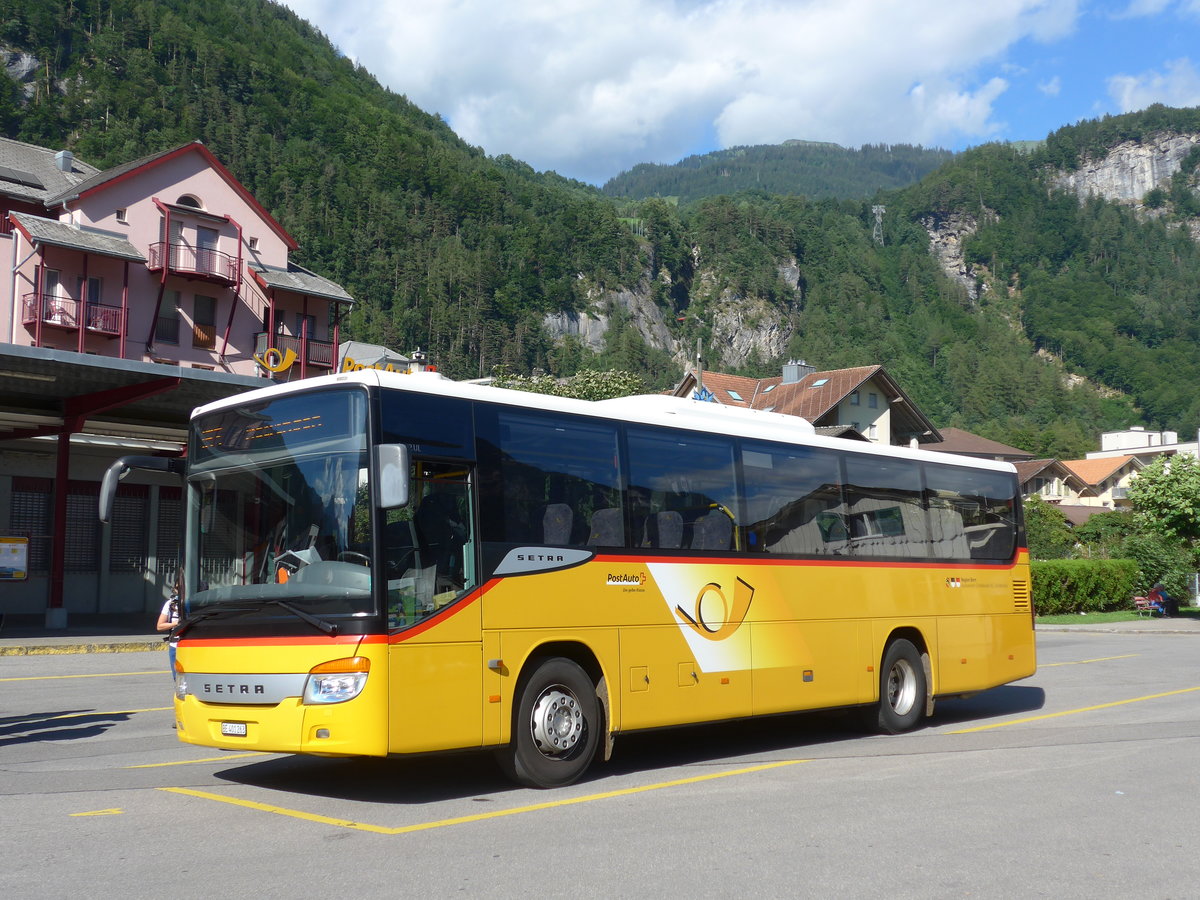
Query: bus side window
x: 690, y: 482
x: 546, y: 477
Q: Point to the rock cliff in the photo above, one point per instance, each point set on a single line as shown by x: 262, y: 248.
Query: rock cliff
x: 1129, y: 170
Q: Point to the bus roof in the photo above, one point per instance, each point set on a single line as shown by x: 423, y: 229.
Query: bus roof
x: 645, y: 409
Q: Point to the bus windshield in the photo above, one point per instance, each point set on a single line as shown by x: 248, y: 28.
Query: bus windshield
x: 280, y: 506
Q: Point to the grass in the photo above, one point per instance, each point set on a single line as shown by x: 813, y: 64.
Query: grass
x: 1120, y: 615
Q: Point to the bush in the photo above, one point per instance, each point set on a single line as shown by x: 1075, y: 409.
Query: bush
x: 1159, y: 558
x: 1082, y: 585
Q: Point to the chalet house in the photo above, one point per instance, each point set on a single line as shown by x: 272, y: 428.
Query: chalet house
x: 1051, y: 480
x: 865, y: 400
x: 131, y: 296
x: 1107, y: 480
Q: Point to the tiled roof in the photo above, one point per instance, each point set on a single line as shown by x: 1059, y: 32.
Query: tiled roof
x: 1029, y: 468
x: 301, y: 281
x: 1077, y: 515
x: 731, y: 390
x: 60, y: 234
x: 955, y: 440
x: 29, y: 172
x: 815, y: 394
x: 1094, y: 471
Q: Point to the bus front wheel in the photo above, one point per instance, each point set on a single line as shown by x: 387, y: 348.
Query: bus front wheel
x: 555, y: 727
x: 902, y: 688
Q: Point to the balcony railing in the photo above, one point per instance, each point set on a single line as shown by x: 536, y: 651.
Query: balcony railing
x: 193, y: 262
x: 320, y: 353
x: 62, y: 312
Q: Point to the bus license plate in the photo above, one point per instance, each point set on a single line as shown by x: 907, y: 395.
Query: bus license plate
x: 233, y: 729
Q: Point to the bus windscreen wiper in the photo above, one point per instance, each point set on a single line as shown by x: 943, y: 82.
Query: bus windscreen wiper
x: 328, y: 627
x: 207, y: 613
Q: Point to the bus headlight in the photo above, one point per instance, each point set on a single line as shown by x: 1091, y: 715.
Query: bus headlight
x: 337, y: 681
x: 181, y: 689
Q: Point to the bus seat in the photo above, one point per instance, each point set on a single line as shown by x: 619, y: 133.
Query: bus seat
x: 664, y: 530
x: 712, y: 531
x: 607, y: 528
x: 557, y: 521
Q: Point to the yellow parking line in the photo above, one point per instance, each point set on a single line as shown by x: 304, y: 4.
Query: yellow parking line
x: 1071, y: 712
x: 1084, y: 662
x: 188, y: 762
x: 97, y: 675
x: 478, y: 817
x: 113, y: 712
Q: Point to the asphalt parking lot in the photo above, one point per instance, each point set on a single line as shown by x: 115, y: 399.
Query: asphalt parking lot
x: 1080, y: 781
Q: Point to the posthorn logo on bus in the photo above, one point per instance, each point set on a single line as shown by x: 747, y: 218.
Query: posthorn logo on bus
x: 954, y: 582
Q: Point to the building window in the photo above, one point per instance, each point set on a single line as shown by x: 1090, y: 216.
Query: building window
x: 130, y: 526
x: 92, y: 290
x: 83, y: 528
x: 854, y: 398
x: 29, y: 517
x: 170, y: 530
x: 204, y: 322
x: 189, y: 200
x: 253, y: 243
x: 736, y: 396
x: 166, y: 329
x: 872, y: 432
x: 122, y: 216
x: 873, y: 401
x: 305, y: 326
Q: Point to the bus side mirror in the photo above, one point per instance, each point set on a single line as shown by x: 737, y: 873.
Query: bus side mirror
x: 122, y: 467
x: 391, y: 475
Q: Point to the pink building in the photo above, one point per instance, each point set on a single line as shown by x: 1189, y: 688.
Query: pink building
x: 166, y: 259
x: 127, y: 298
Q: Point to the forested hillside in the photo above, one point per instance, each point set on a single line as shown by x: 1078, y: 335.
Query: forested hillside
x: 1071, y: 318
x: 809, y: 168
x: 443, y: 247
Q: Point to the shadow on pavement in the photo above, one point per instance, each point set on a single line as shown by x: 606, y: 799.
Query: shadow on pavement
x: 64, y: 725
x: 426, y: 779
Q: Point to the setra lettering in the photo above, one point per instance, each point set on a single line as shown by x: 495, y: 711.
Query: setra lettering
x: 540, y: 557
x: 214, y: 688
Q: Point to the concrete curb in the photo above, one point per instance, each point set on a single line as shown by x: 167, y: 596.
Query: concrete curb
x: 33, y: 649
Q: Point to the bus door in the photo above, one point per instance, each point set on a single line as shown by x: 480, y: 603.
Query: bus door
x: 434, y: 628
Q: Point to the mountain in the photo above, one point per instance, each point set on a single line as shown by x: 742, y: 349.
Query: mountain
x: 810, y: 168
x: 1032, y: 295
x: 443, y: 247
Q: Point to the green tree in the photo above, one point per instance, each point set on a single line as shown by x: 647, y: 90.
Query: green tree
x: 1046, y: 530
x: 1166, y: 496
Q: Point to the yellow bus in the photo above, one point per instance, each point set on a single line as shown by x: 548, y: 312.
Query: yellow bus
x: 386, y: 564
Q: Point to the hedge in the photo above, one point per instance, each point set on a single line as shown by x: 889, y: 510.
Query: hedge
x: 1082, y: 585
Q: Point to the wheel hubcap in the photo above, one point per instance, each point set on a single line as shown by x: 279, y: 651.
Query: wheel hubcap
x: 902, y: 687
x: 557, y: 722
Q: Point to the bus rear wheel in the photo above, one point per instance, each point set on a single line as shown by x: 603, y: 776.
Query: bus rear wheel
x: 902, y: 689
x: 555, y: 727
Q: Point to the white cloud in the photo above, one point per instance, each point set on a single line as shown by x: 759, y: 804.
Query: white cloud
x: 1051, y: 88
x: 1179, y: 85
x: 589, y: 88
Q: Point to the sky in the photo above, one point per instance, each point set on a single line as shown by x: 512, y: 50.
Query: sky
x: 590, y: 88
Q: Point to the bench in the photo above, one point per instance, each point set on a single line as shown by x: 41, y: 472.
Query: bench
x: 1142, y: 605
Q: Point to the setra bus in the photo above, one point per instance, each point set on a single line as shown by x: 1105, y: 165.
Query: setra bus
x: 386, y: 564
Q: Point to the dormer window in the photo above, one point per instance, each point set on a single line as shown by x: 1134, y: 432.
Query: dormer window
x: 189, y: 201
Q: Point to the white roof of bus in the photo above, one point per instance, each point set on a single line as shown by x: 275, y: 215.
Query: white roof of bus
x: 645, y: 409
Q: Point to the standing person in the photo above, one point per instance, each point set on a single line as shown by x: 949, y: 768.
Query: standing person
x: 169, y: 618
